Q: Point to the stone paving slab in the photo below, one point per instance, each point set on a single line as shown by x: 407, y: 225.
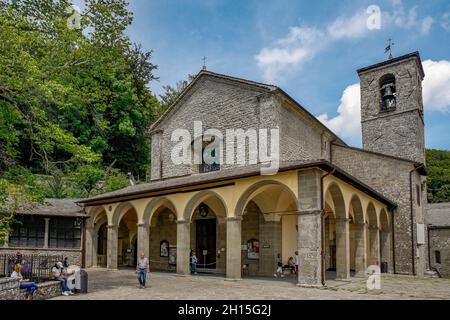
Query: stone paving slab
x: 123, y: 285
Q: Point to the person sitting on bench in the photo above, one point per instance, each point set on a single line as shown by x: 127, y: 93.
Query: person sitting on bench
x: 26, y: 283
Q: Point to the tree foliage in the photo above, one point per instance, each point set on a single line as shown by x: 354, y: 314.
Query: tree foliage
x: 73, y: 101
x: 438, y: 186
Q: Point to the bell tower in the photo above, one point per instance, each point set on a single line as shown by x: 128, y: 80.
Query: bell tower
x: 392, y: 117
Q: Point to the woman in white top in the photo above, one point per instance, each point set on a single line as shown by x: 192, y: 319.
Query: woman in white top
x: 26, y: 283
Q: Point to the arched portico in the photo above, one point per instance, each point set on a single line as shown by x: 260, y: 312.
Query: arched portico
x: 123, y: 224
x: 267, y: 214
x: 308, y: 211
x: 203, y: 228
x: 157, y: 233
x: 342, y: 230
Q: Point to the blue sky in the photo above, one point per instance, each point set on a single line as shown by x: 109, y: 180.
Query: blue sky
x: 310, y: 49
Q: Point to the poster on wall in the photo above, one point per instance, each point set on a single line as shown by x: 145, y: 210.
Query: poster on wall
x: 164, y: 248
x: 252, y: 249
x: 172, y: 255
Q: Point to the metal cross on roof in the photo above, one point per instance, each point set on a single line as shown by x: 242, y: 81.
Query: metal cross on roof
x: 204, y: 63
x: 389, y: 48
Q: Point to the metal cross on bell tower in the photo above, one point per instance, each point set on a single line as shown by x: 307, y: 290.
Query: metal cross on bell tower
x: 389, y: 49
x: 204, y: 63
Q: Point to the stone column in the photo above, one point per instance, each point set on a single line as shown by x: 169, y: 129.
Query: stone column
x: 342, y: 249
x: 270, y: 233
x: 374, y: 238
x: 113, y: 233
x: 310, y: 228
x: 234, y: 239
x: 310, y: 248
x: 385, y: 238
x: 46, y: 232
x: 89, y: 253
x: 143, y: 239
x: 183, y: 247
x: 360, y: 252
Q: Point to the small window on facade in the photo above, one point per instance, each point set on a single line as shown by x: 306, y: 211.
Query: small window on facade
x: 418, y: 195
x: 437, y: 257
x: 388, y: 92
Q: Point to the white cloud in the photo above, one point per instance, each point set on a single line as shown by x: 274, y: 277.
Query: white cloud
x: 347, y: 124
x: 436, y: 97
x: 343, y: 27
x: 436, y: 85
x: 299, y: 45
x: 303, y: 43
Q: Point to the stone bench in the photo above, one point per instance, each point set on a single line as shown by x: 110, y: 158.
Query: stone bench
x: 10, y: 290
x: 53, y: 288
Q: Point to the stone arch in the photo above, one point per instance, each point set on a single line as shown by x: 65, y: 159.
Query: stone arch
x: 95, y: 213
x: 211, y: 198
x: 260, y: 187
x: 335, y: 191
x: 120, y: 211
x: 384, y: 221
x: 154, y: 205
x: 358, y: 212
x: 371, y: 213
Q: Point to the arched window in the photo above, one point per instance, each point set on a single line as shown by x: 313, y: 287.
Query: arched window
x: 207, y: 148
x: 388, y: 92
x: 208, y: 167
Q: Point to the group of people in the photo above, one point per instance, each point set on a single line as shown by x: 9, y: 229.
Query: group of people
x: 292, y: 264
x: 59, y: 273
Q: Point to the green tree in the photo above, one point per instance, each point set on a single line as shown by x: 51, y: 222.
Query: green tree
x: 72, y: 95
x: 74, y: 99
x: 438, y: 181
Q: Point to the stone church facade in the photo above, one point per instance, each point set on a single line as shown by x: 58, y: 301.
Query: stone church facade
x: 341, y: 208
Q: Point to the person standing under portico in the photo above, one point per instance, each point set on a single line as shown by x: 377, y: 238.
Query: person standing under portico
x: 142, y: 268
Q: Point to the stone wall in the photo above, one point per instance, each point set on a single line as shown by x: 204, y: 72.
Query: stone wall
x: 390, y: 177
x: 440, y: 241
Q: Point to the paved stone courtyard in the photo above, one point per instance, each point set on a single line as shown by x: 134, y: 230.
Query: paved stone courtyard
x: 123, y: 285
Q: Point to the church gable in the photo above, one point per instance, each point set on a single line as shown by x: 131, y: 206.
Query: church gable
x: 213, y: 93
x: 222, y: 102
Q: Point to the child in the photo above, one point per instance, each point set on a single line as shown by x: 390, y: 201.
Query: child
x: 279, y: 266
x: 194, y: 261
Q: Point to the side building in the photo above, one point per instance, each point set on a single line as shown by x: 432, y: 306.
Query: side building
x: 438, y: 223
x: 55, y: 228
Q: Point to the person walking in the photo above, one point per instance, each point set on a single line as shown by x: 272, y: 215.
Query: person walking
x: 194, y: 261
x: 142, y: 267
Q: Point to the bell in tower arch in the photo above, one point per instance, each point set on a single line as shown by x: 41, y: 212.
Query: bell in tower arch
x: 388, y: 96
